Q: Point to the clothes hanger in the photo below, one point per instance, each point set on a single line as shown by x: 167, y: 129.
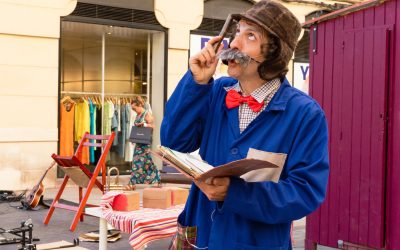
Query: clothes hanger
x: 64, y: 99
x: 67, y: 99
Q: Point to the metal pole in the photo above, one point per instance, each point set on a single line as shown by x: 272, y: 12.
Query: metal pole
x: 103, y: 59
x: 148, y: 68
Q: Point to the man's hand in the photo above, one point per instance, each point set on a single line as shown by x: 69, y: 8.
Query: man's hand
x: 204, y: 63
x: 216, y: 190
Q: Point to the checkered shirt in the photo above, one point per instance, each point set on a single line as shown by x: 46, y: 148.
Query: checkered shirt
x: 184, y: 239
x: 262, y: 94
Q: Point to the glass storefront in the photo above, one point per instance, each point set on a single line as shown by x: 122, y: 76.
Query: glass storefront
x: 103, y: 63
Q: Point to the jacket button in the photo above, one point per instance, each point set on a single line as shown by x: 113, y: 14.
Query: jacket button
x: 234, y: 151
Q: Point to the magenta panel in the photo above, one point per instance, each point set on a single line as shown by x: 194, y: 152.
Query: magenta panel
x: 345, y: 111
x: 327, y: 106
x: 313, y: 223
x: 334, y: 120
x: 393, y: 186
x: 354, y: 79
x: 378, y: 138
x: 366, y: 118
x: 356, y: 137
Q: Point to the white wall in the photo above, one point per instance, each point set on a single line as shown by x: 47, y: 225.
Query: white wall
x: 28, y: 84
x: 179, y: 22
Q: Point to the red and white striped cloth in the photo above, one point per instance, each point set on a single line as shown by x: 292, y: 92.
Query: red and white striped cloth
x: 144, y: 225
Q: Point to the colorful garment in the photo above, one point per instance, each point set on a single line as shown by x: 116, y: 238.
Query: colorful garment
x: 129, y: 147
x: 82, y: 120
x: 143, y: 169
x: 107, y: 117
x: 67, y: 129
x: 92, y: 111
x: 122, y: 134
x: 82, y: 125
x: 184, y: 238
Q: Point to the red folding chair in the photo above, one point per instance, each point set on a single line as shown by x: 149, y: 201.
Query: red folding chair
x: 78, y: 173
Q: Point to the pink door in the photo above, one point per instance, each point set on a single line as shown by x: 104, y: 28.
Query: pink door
x: 354, y: 92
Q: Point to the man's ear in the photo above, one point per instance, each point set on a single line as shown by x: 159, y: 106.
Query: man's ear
x: 264, y: 50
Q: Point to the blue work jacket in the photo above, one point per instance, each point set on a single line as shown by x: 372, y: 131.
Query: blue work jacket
x: 254, y: 215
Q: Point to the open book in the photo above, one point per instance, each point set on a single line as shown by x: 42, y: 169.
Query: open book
x: 195, y: 168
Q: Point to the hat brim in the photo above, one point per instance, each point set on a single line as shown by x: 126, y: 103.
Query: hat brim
x: 238, y: 17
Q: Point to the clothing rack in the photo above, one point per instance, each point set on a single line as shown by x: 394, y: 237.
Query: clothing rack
x: 97, y: 93
x: 80, y: 93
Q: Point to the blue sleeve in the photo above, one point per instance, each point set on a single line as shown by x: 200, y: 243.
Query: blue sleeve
x: 298, y: 194
x: 185, y: 115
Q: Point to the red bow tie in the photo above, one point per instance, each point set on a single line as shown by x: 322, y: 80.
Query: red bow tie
x: 234, y: 99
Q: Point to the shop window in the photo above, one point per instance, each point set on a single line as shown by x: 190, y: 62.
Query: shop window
x: 100, y: 64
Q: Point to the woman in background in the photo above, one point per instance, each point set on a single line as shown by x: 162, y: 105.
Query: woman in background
x: 143, y: 169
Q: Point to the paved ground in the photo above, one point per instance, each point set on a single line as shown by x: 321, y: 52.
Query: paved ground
x: 57, y: 230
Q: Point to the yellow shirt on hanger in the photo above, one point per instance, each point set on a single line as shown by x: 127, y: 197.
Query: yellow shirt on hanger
x: 82, y: 125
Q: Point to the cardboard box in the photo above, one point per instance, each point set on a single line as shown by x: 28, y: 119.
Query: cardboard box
x: 157, y: 197
x: 59, y: 244
x: 127, y: 201
x: 178, y: 195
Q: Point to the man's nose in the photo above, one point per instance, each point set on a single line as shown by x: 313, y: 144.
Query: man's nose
x: 235, y: 44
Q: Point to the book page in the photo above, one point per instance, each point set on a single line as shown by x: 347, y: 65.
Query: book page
x: 198, y: 164
x: 174, y: 159
x: 195, y: 164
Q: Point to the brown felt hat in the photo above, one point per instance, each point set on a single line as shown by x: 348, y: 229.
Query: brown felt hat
x: 280, y: 22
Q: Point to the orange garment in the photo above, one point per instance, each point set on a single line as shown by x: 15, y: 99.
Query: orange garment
x: 67, y: 112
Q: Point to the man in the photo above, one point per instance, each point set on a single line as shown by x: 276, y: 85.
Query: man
x: 254, y: 108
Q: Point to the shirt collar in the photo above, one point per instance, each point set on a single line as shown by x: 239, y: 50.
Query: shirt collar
x: 281, y: 97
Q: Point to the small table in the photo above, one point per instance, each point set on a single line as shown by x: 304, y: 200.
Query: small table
x: 143, y: 225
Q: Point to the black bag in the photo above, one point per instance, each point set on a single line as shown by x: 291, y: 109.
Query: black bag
x: 142, y: 135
